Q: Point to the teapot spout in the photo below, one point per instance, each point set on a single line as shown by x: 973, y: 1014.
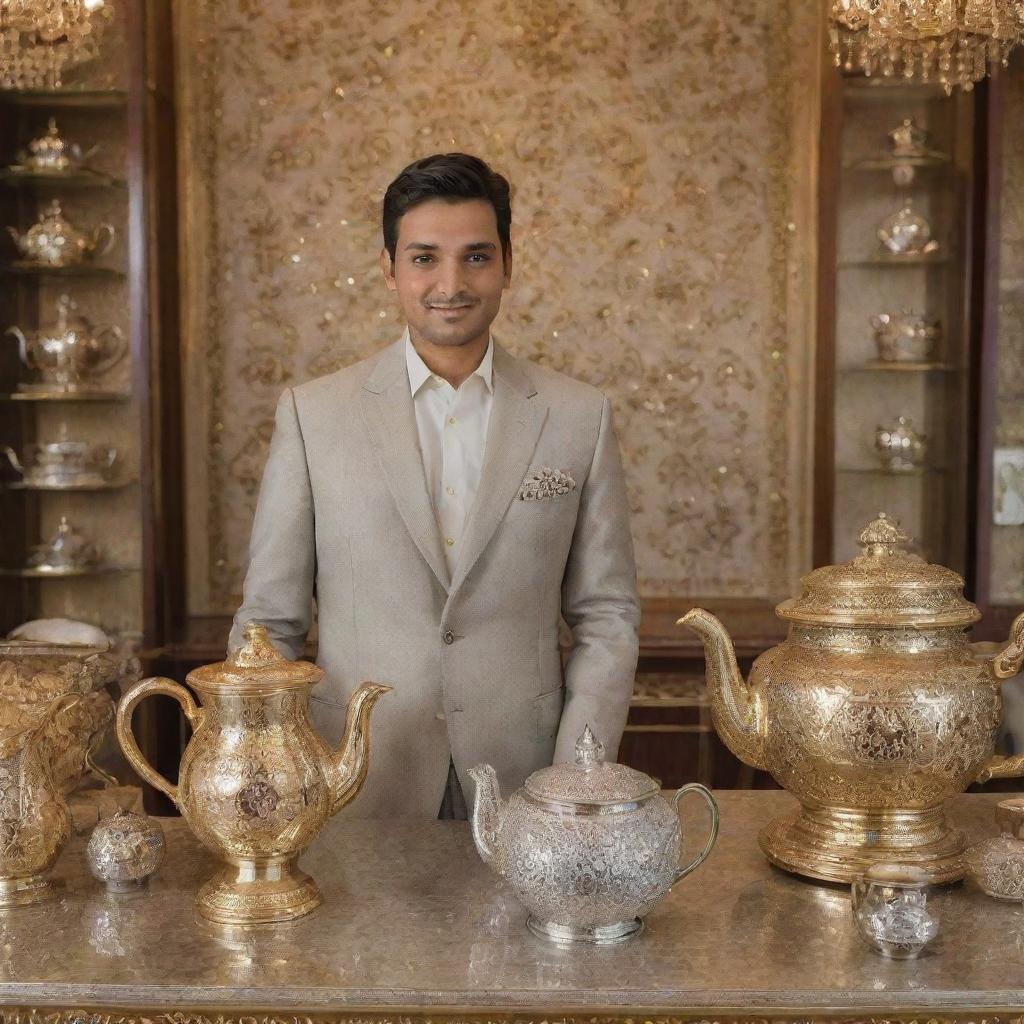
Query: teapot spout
x: 16, y: 235
x: 351, y: 761
x: 486, y: 814
x: 736, y: 711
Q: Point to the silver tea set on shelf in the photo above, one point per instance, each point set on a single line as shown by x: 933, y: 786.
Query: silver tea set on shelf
x: 51, y: 155
x: 64, y: 464
x: 54, y: 242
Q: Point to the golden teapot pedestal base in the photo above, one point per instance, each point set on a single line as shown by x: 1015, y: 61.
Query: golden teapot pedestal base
x: 837, y: 844
x: 252, y: 892
x: 24, y: 891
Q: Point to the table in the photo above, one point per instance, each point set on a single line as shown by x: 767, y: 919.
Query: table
x: 416, y: 930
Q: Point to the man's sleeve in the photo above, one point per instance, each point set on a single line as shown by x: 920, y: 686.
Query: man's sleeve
x: 282, y: 550
x: 600, y: 605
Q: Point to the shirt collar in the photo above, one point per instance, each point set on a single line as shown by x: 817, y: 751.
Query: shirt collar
x: 420, y: 373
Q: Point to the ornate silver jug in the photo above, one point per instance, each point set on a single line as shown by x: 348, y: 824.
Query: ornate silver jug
x: 589, y: 848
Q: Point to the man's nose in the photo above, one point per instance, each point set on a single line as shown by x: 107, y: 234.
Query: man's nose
x: 451, y: 278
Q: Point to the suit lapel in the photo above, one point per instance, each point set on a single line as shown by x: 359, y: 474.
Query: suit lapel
x: 387, y: 408
x: 517, y: 417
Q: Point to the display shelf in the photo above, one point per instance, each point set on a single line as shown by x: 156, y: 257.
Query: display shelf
x: 41, y: 270
x: 916, y: 471
x: 66, y: 574
x: 94, y: 99
x: 109, y: 485
x: 17, y: 178
x: 894, y: 261
x: 890, y: 163
x: 66, y: 396
x: 885, y: 366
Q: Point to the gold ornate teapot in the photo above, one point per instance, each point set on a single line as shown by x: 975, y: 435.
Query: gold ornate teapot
x: 35, y: 822
x: 256, y: 783
x: 872, y: 712
x: 70, y: 353
x: 52, y: 154
x: 54, y: 242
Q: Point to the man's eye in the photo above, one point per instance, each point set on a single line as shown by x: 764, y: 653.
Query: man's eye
x: 423, y: 258
x: 479, y: 257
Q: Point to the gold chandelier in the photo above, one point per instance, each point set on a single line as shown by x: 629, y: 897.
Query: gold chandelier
x: 39, y: 38
x: 952, y: 42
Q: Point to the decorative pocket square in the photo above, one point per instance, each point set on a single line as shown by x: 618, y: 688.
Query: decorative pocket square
x: 546, y: 483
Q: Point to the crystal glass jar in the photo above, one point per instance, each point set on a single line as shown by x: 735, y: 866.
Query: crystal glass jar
x: 893, y: 911
x: 124, y: 850
x: 997, y: 864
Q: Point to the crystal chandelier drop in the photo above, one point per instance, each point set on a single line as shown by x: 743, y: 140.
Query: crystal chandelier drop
x: 952, y: 42
x: 39, y: 38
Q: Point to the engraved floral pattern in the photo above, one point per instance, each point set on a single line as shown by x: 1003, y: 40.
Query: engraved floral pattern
x: 663, y: 240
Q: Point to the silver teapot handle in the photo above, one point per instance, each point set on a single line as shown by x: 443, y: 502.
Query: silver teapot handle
x: 695, y: 787
x: 103, y: 240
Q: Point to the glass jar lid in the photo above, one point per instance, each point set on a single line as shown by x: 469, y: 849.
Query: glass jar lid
x: 590, y: 781
x: 885, y: 585
x: 256, y: 667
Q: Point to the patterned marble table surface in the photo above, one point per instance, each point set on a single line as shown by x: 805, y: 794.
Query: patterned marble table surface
x: 413, y: 919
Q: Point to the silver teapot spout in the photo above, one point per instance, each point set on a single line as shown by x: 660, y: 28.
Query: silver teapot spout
x: 17, y: 332
x: 12, y: 458
x: 16, y: 235
x: 488, y: 807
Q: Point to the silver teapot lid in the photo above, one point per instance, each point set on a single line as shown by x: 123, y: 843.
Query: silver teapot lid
x: 590, y: 781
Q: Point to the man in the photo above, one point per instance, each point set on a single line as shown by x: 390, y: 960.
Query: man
x: 446, y: 503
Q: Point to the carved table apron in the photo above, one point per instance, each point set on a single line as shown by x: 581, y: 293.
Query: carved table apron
x: 415, y: 929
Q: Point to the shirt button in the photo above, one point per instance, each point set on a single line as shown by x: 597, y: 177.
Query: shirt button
x: 449, y: 541
x: 449, y: 637
x: 450, y: 490
x: 452, y: 421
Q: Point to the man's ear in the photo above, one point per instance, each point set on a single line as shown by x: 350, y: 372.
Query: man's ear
x: 506, y: 257
x: 387, y: 267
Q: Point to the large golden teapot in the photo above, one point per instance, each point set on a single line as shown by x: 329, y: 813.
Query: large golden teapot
x: 256, y: 783
x: 872, y: 712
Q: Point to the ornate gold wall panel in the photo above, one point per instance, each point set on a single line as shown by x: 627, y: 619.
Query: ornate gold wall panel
x: 663, y: 159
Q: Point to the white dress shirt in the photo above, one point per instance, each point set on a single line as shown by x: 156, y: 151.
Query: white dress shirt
x: 452, y: 425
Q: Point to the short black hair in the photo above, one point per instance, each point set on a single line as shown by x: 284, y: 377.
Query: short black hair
x: 451, y: 177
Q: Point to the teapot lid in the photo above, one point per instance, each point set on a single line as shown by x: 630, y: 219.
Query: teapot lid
x: 256, y: 667
x: 590, y: 781
x: 885, y: 585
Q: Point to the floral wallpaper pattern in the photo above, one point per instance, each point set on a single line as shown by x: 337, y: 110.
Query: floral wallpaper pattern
x: 661, y: 157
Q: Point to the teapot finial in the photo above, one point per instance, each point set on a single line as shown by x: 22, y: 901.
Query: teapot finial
x: 258, y: 650
x: 883, y: 536
x: 589, y: 750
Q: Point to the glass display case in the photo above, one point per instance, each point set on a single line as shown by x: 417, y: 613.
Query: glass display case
x: 901, y: 363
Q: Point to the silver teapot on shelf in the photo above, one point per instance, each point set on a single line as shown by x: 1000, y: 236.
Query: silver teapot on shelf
x: 63, y: 463
x: 52, y: 154
x: 70, y: 352
x: 66, y: 553
x: 906, y: 233
x: 54, y: 242
x: 900, y: 447
x: 589, y: 848
x: 906, y: 337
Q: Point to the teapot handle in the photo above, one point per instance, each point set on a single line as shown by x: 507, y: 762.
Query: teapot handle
x: 103, y: 240
x: 117, y: 349
x: 123, y: 726
x: 705, y: 794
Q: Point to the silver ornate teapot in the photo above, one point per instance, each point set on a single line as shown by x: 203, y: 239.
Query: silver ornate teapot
x: 906, y: 233
x: 70, y: 353
x: 51, y: 154
x: 54, y: 242
x: 900, y: 447
x: 63, y: 463
x: 589, y: 848
x: 906, y: 337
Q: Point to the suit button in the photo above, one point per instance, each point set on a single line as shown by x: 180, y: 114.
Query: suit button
x: 449, y: 637
x: 440, y: 716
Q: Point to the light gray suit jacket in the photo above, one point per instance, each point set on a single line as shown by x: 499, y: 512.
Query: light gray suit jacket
x: 344, y: 516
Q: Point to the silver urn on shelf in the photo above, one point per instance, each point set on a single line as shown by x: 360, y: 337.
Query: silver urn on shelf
x: 70, y: 353
x: 63, y: 464
x: 124, y: 850
x: 899, y: 446
x: 905, y: 337
x: 54, y: 242
x: 66, y: 553
x: 589, y: 848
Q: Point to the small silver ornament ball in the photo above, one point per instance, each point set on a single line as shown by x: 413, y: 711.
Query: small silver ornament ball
x: 124, y: 850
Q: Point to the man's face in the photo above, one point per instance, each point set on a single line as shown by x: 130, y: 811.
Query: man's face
x: 448, y: 270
